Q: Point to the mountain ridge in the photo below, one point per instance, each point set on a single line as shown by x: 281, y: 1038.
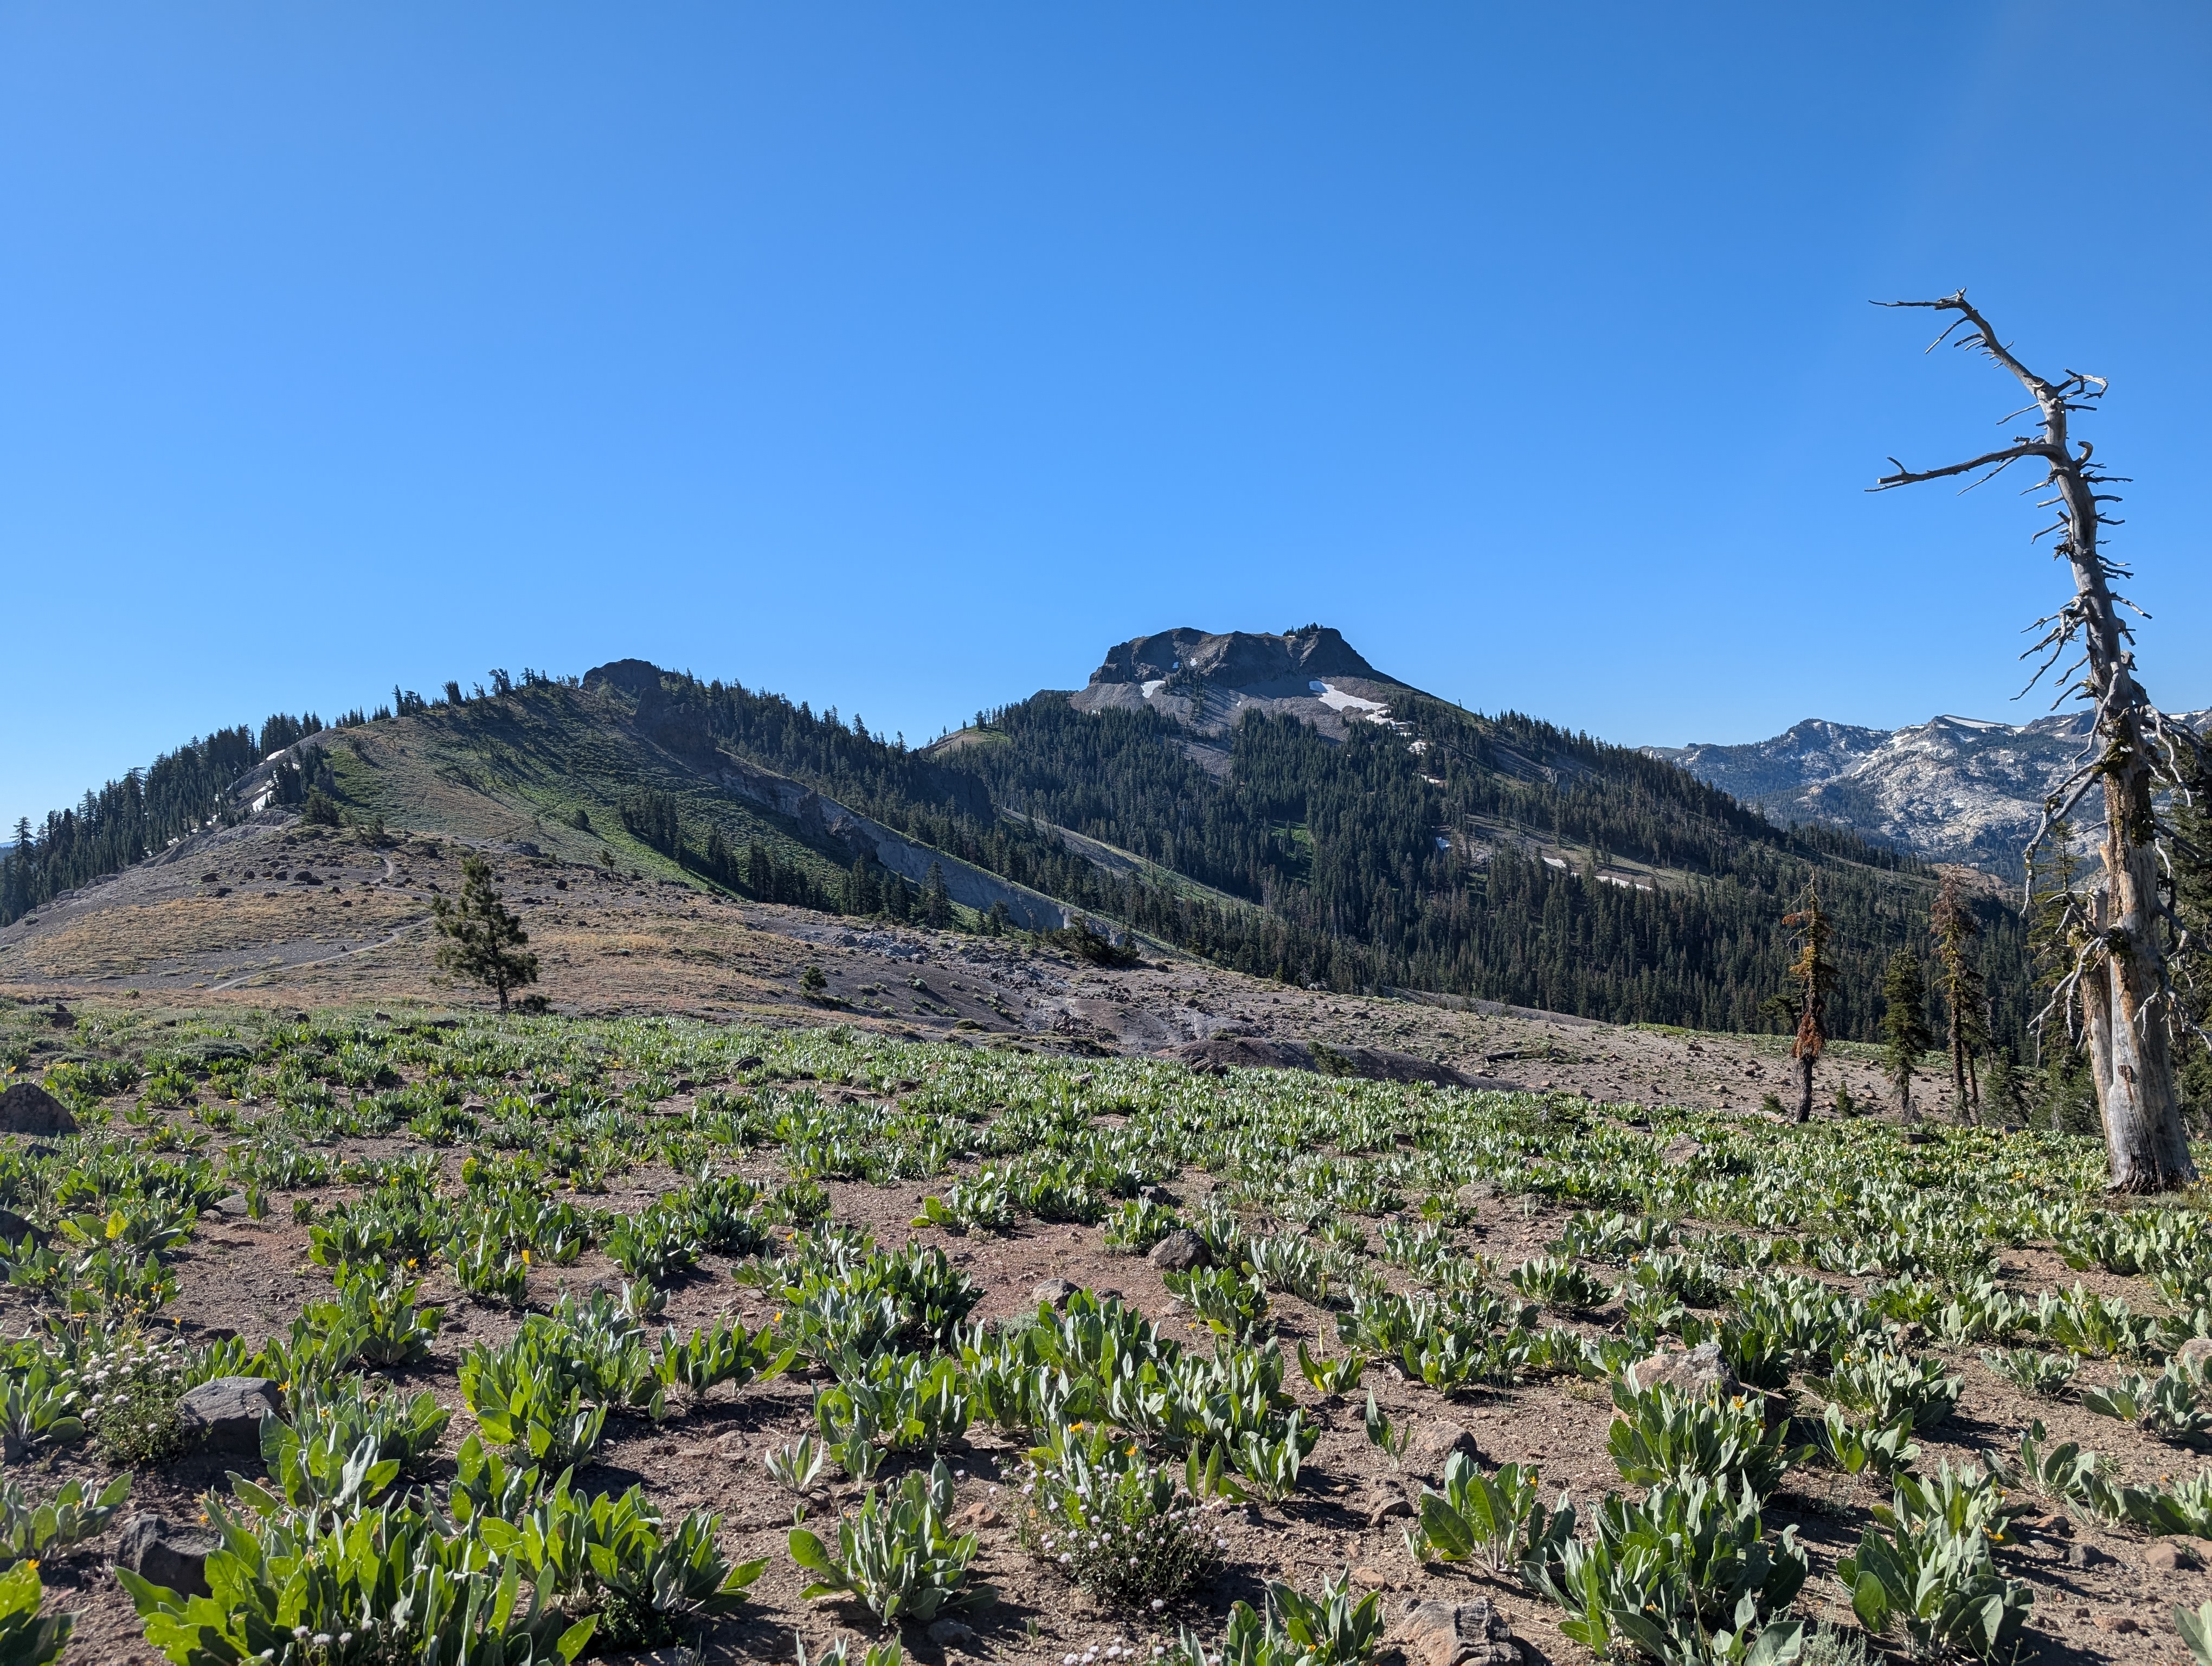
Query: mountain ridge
x: 1272, y: 802
x: 1953, y: 789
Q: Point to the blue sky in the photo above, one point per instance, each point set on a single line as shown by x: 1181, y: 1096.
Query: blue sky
x: 902, y: 358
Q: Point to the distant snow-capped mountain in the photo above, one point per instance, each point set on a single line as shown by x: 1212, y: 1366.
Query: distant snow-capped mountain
x: 1954, y: 789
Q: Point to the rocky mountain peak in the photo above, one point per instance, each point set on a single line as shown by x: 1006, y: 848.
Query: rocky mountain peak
x: 1208, y: 680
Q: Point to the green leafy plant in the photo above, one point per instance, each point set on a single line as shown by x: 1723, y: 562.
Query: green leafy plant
x: 896, y: 1555
x: 1331, y: 1377
x: 796, y: 1466
x: 73, y: 1515
x: 985, y: 1204
x: 659, y: 1246
x: 1558, y: 1282
x: 1884, y: 1386
x: 1230, y: 1304
x: 375, y: 1311
x: 1390, y: 1439
x: 392, y: 1578
x: 489, y: 1270
x: 29, y: 1637
x: 1685, y: 1578
x: 1856, y: 1445
x: 1926, y: 1572
x: 405, y: 1428
x: 1661, y: 1434
x: 2032, y: 1371
x: 1498, y: 1517
x: 1138, y: 1224
x: 723, y: 1352
x: 2195, y: 1629
x: 2170, y: 1406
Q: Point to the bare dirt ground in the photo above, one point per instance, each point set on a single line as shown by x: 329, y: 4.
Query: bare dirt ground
x: 348, y: 923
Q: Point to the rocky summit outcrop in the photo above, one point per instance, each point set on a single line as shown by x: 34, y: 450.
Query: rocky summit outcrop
x: 1210, y: 680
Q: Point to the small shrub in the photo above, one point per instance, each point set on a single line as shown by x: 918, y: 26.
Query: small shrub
x: 1115, y: 1524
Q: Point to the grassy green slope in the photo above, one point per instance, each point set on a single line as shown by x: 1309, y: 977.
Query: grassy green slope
x: 521, y: 767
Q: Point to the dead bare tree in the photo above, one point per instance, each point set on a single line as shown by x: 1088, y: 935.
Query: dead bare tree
x: 2122, y: 927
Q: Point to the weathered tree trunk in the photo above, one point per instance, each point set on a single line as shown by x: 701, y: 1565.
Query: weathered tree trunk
x: 1805, y: 1088
x: 2120, y: 980
x: 2128, y: 1056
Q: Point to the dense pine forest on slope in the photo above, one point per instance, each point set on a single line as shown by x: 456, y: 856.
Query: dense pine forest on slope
x: 1408, y: 854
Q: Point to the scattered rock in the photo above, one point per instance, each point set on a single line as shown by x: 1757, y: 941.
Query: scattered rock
x: 1180, y: 1251
x: 224, y: 1413
x: 1373, y: 1578
x: 2121, y: 1623
x: 1384, y: 1505
x: 2085, y: 1556
x: 975, y: 1518
x: 731, y: 1448
x: 234, y: 1206
x: 166, y: 1552
x: 1052, y: 1292
x: 1699, y: 1370
x: 950, y: 1634
x: 1434, y: 1442
x: 2168, y: 1555
x: 1473, y: 1634
x: 26, y: 1108
x: 1682, y: 1148
x: 750, y: 1061
x: 2195, y: 1355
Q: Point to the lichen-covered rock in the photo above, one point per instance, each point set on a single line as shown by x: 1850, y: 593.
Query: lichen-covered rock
x: 224, y: 1413
x: 1700, y: 1371
x: 1474, y: 1634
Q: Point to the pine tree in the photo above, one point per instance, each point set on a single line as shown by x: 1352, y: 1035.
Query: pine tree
x: 936, y: 901
x: 1905, y: 1024
x: 1814, y: 974
x: 1954, y: 929
x: 483, y: 939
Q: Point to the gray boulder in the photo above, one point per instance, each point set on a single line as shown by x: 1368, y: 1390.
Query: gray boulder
x: 1700, y: 1371
x: 26, y: 1108
x: 1434, y: 1441
x: 166, y: 1552
x: 224, y: 1413
x: 1474, y: 1634
x: 1180, y: 1251
x: 1052, y: 1292
x: 950, y: 1634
